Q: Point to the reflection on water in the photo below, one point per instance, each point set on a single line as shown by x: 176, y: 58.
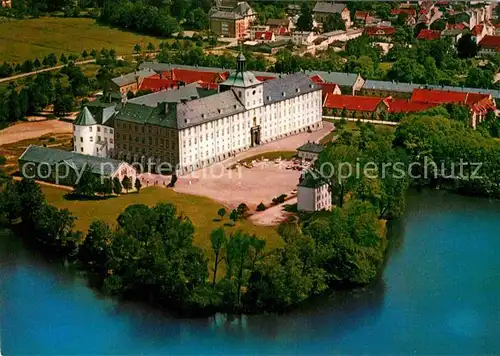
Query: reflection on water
x: 438, y: 294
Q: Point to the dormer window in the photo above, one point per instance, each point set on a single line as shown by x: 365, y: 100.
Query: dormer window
x: 311, y: 86
x: 283, y: 94
x: 297, y: 90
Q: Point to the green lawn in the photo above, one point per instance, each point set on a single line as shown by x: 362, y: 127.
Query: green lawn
x: 202, y: 212
x: 36, y: 38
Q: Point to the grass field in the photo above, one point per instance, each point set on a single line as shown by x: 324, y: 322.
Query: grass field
x: 36, y: 38
x: 202, y: 212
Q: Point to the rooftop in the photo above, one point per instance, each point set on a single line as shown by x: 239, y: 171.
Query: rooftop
x: 98, y: 165
x: 130, y: 78
x: 329, y: 7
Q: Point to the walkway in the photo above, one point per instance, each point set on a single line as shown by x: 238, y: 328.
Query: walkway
x: 18, y: 76
x: 272, y: 216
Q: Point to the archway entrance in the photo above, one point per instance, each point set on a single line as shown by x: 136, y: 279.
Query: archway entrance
x: 255, y: 135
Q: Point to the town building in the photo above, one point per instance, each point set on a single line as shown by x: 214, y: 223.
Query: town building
x: 309, y: 151
x: 429, y: 35
x: 196, y: 133
x: 93, y: 130
x: 266, y: 36
x: 323, y: 9
x: 6, y: 3
x: 280, y: 27
x: 303, y: 38
x: 64, y: 167
x: 313, y: 194
x: 383, y: 32
x: 489, y: 45
x: 231, y: 19
x: 128, y: 82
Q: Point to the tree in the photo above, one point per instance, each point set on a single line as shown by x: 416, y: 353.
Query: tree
x: 107, y: 186
x: 242, y: 209
x: 333, y: 22
x: 439, y: 25
x: 87, y: 185
x: 51, y: 60
x: 151, y: 47
x: 37, y: 64
x: 221, y: 212
x: 63, y: 59
x: 261, y: 207
x: 117, y: 186
x: 218, y: 239
x: 234, y: 216
x: 305, y: 20
x: 467, y: 46
x: 84, y: 54
x: 95, y: 249
x: 126, y: 183
x: 138, y: 185
x: 137, y: 48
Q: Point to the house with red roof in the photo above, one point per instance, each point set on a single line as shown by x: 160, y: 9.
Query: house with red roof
x: 479, y: 31
x: 385, y: 32
x: 264, y: 36
x: 489, y: 45
x: 361, y: 16
x: 407, y: 11
x: 429, y: 35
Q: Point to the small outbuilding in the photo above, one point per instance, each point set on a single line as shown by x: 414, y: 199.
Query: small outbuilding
x: 309, y: 151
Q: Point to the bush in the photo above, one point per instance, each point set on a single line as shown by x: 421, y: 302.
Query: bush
x: 280, y: 199
x: 261, y: 207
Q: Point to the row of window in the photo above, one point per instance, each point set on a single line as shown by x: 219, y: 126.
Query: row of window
x: 91, y: 139
x: 150, y: 129
x: 99, y: 129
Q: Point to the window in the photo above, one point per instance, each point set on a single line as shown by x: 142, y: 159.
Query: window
x: 110, y: 131
x: 110, y: 140
x: 81, y: 149
x: 90, y: 128
x: 81, y: 139
x: 98, y: 138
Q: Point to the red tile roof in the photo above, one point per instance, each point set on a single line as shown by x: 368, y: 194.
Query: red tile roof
x: 477, y: 102
x: 352, y: 102
x: 361, y: 15
x: 264, y: 35
x: 263, y: 78
x: 379, y: 30
x: 458, y: 26
x: 490, y: 42
x: 404, y: 105
x: 477, y: 30
x: 429, y: 35
x: 329, y: 88
x: 410, y: 12
x: 283, y: 31
x: 154, y: 83
x: 423, y: 12
x: 317, y: 79
x: 191, y: 76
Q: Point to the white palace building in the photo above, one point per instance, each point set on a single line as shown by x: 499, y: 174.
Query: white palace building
x: 198, y: 128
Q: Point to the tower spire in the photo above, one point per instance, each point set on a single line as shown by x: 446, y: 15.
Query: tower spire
x: 241, y: 61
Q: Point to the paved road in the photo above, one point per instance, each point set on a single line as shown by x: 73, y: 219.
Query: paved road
x: 17, y: 76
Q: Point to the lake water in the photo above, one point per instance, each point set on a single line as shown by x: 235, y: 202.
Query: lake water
x: 439, y: 294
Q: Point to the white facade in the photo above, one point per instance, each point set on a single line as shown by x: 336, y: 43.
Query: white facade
x: 95, y: 140
x: 314, y: 198
x: 213, y: 141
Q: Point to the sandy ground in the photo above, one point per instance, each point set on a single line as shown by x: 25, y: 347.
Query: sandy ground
x: 28, y: 130
x: 272, y: 216
x: 250, y: 186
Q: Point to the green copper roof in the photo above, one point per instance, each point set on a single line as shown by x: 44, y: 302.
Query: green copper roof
x: 85, y: 118
x: 311, y: 147
x: 165, y: 114
x: 241, y: 79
